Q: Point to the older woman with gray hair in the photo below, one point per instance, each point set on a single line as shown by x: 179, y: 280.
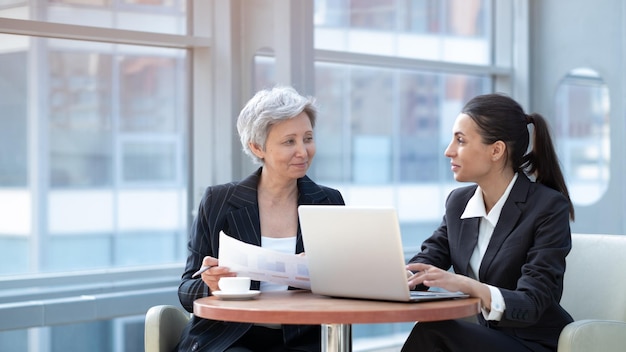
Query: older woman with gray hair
x: 276, y: 131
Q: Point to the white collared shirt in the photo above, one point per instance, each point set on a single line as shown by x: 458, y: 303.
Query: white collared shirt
x: 475, y: 208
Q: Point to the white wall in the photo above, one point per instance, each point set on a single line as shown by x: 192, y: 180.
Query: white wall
x: 568, y: 34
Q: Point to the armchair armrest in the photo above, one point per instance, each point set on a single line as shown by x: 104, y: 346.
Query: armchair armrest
x: 593, y: 335
x: 163, y: 327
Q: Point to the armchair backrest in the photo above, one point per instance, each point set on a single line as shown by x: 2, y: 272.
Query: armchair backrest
x: 595, y: 277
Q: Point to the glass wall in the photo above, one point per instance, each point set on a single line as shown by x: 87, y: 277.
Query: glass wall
x: 386, y: 129
x: 96, y: 176
x: 93, y: 155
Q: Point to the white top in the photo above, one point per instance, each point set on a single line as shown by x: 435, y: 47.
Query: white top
x: 284, y: 245
x: 475, y: 208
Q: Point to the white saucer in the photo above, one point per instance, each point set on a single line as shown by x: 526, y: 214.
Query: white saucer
x: 236, y: 295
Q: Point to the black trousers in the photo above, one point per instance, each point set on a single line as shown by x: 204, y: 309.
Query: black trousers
x: 462, y: 336
x: 260, y: 339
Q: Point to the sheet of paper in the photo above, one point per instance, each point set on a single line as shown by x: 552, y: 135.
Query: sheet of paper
x: 263, y: 264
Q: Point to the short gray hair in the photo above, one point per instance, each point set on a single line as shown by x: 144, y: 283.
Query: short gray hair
x: 266, y: 108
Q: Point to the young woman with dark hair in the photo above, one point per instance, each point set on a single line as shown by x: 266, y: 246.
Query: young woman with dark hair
x: 506, y: 236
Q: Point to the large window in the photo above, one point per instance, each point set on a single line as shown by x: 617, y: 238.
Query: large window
x: 94, y: 160
x: 99, y: 134
x: 382, y: 126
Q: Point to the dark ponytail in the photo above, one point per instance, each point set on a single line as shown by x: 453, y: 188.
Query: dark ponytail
x: 542, y: 161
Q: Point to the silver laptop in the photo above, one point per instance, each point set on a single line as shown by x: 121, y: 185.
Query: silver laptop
x: 356, y: 252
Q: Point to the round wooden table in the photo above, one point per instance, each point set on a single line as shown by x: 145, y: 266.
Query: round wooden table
x: 334, y: 314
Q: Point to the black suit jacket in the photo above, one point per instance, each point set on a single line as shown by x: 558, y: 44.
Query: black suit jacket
x: 525, y: 257
x: 233, y: 208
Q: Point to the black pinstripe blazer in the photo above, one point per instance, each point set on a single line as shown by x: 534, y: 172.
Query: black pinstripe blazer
x: 233, y: 208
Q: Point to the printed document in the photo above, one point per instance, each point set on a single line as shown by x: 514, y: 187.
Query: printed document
x: 263, y: 264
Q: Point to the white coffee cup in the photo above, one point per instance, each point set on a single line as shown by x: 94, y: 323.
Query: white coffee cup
x: 236, y: 284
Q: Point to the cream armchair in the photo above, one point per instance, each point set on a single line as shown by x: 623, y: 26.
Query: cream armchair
x: 164, y: 324
x: 595, y: 294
